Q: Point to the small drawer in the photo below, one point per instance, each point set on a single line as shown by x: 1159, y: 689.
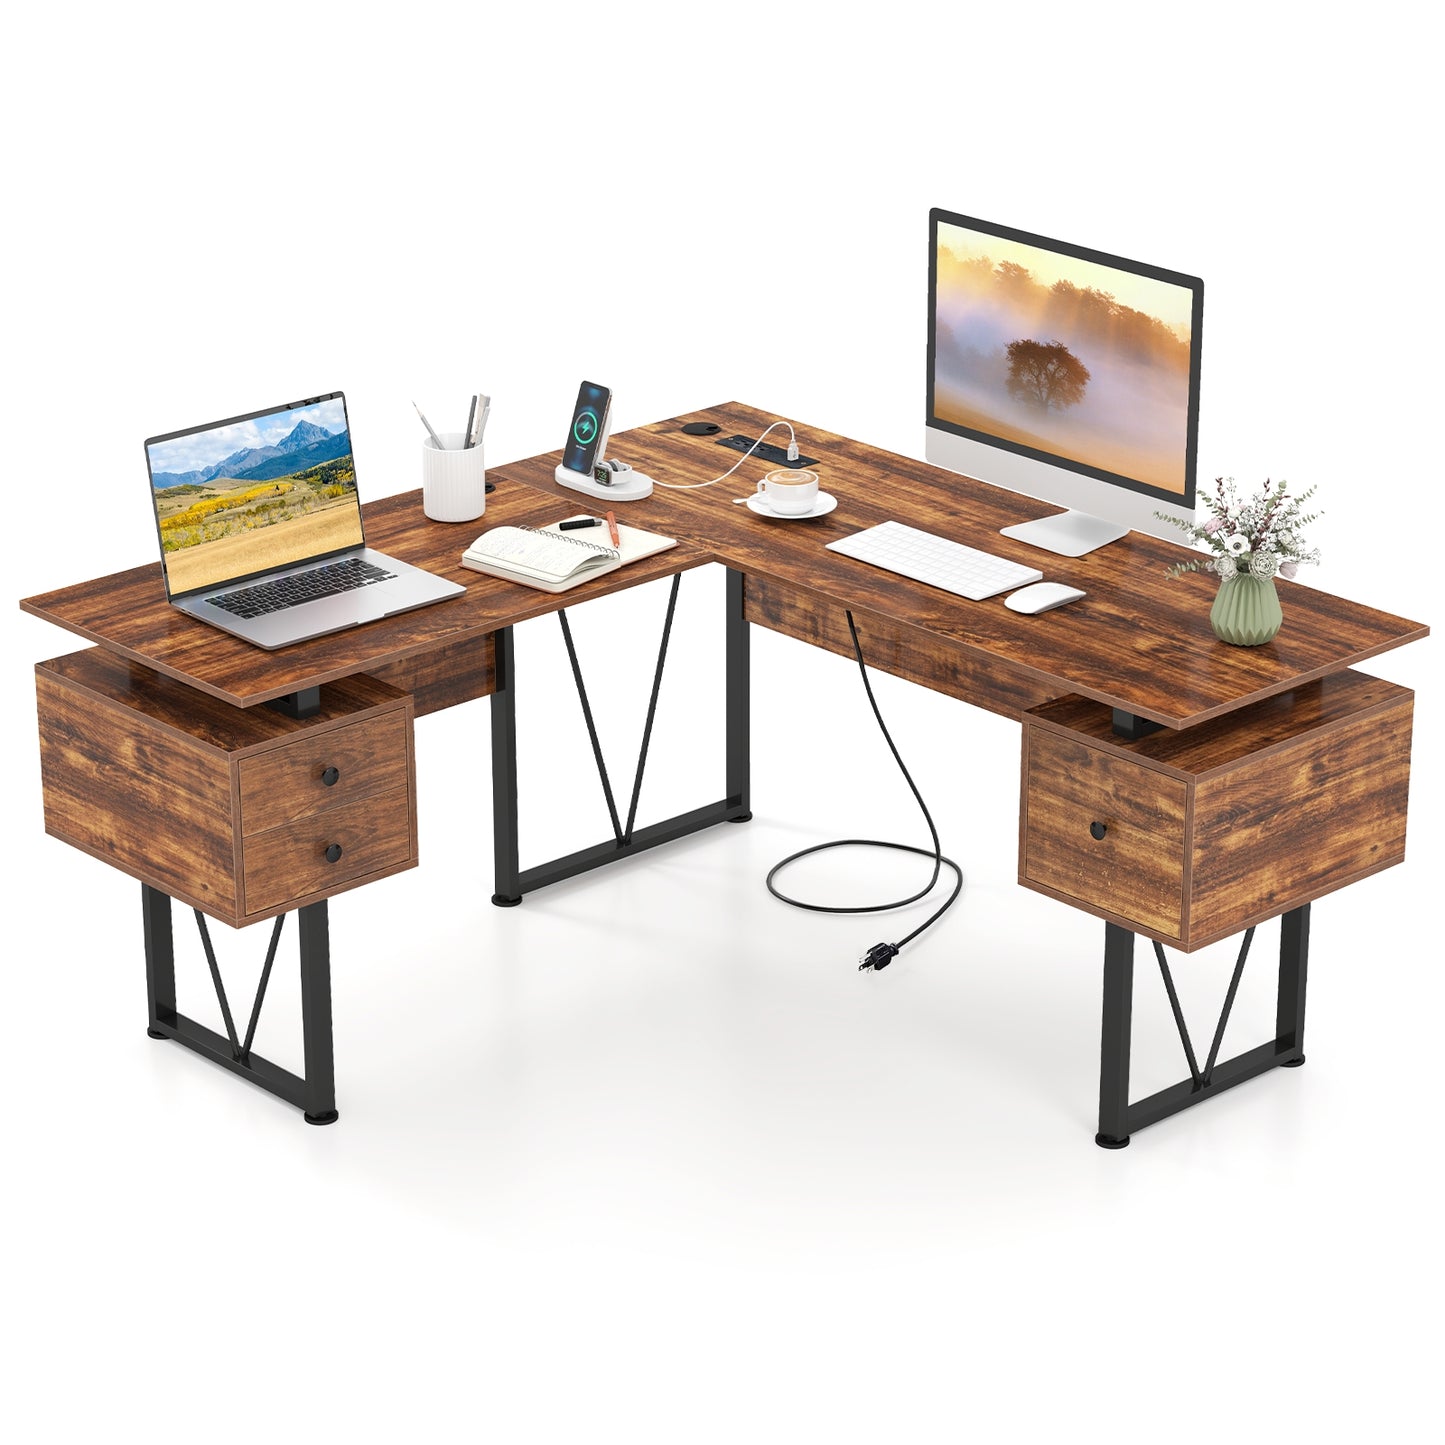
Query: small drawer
x: 287, y: 864
x: 1104, y: 830
x: 322, y: 771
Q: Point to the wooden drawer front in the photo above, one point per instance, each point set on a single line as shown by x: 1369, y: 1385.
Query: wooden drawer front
x: 1299, y: 822
x: 896, y: 647
x: 1136, y: 870
x: 288, y: 863
x: 289, y: 782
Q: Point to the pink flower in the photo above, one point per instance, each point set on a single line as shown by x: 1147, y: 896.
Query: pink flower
x: 1288, y: 569
x: 1212, y: 526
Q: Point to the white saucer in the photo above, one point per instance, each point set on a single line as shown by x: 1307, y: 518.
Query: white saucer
x: 825, y: 504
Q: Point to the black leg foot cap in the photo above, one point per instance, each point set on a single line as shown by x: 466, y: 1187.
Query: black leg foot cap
x: 330, y: 1117
x: 742, y: 818
x: 1293, y: 1063
x: 502, y: 901
x: 1108, y: 1141
x: 156, y: 1034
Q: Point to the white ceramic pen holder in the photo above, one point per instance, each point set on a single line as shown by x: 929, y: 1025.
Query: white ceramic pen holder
x: 453, y: 479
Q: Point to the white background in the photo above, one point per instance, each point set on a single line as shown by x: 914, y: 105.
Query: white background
x: 646, y: 1157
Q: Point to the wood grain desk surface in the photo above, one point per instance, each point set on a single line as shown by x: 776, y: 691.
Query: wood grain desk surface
x: 1137, y: 641
x: 129, y: 614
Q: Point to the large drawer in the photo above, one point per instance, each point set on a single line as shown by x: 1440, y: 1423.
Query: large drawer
x: 1105, y: 830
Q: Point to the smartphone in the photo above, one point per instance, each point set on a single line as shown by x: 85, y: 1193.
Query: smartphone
x: 589, y: 426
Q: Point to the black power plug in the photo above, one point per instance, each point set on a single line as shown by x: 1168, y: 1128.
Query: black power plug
x: 878, y: 957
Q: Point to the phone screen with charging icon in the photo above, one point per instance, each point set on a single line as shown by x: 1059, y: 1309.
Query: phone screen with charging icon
x: 589, y: 424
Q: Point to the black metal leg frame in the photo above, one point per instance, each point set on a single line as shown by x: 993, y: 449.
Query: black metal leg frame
x: 316, y: 1093
x: 513, y: 881
x: 1118, y: 1118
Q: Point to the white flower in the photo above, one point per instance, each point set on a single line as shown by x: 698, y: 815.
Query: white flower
x: 1225, y: 566
x: 1264, y: 564
x: 1237, y: 545
x: 1285, y: 539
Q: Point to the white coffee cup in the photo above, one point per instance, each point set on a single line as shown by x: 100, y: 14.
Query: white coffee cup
x: 789, y: 493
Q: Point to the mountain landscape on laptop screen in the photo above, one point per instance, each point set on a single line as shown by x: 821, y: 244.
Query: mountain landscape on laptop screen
x: 254, y: 495
x: 1064, y: 356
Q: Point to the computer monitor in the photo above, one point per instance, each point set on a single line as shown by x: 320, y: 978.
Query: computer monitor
x: 1065, y: 374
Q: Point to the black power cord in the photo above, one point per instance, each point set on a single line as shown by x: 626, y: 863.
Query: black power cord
x: 881, y: 954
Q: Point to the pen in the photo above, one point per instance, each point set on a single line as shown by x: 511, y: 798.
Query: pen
x: 612, y: 527
x: 574, y: 523
x: 471, y: 417
x: 435, y: 438
x: 482, y: 419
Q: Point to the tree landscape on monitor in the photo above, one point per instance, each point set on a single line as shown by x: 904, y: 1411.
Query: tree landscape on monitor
x: 1063, y: 356
x: 285, y: 493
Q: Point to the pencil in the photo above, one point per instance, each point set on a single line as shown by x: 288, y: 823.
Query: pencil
x: 436, y: 440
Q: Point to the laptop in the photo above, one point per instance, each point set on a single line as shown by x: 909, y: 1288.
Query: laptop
x: 260, y: 527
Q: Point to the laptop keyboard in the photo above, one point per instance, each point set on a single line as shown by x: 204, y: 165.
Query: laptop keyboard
x: 344, y: 576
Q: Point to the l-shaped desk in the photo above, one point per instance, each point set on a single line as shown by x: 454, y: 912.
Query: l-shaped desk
x: 1171, y: 785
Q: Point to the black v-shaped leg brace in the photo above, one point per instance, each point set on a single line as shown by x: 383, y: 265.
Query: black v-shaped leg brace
x: 1118, y: 1118
x: 315, y: 1094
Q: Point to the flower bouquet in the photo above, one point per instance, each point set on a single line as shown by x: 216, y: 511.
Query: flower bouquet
x: 1253, y: 540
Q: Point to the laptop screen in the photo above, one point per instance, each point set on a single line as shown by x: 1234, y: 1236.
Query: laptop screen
x: 249, y: 495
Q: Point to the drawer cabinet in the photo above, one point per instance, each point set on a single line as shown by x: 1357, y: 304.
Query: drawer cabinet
x: 1192, y: 836
x: 241, y: 812
x: 1102, y: 827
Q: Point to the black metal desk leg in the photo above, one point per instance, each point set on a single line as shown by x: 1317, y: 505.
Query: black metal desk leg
x: 1289, y: 1019
x: 738, y: 703
x: 513, y: 881
x: 1115, y: 1037
x: 1118, y: 1118
x: 316, y: 1093
x: 160, y: 960
x: 506, y: 864
x: 320, y: 1092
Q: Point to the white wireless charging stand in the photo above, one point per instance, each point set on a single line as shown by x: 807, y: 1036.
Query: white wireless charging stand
x: 624, y: 484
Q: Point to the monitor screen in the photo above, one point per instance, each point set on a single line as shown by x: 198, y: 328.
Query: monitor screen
x: 258, y: 492
x: 1068, y: 356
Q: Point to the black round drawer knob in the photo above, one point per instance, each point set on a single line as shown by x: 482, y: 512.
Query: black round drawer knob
x: 329, y: 777
x: 1097, y: 830
x: 333, y: 853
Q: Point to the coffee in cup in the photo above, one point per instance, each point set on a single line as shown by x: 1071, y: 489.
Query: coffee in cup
x: 789, y: 492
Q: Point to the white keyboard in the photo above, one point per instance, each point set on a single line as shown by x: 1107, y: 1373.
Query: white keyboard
x: 964, y: 571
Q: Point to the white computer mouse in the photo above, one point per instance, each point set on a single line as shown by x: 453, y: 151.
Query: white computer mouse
x: 1041, y: 596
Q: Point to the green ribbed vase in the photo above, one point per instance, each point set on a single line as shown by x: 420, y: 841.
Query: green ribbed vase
x: 1246, y: 612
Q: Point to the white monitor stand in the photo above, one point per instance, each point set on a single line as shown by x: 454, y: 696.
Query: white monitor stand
x: 1070, y: 534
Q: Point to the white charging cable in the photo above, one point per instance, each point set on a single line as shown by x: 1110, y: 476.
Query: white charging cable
x: 692, y: 486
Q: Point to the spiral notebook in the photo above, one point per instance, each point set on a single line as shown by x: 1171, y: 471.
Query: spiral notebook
x: 553, y: 560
